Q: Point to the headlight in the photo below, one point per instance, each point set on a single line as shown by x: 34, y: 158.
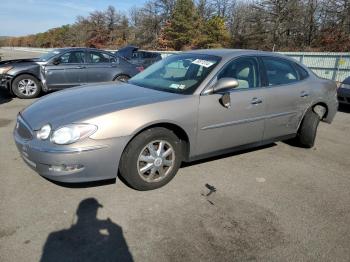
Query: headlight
x: 44, y: 132
x: 72, y: 133
x: 4, y: 70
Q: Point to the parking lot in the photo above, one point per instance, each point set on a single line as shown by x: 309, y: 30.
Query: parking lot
x: 274, y: 203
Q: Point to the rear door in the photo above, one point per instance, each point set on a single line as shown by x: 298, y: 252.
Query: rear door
x: 219, y: 127
x: 101, y: 67
x: 70, y: 70
x: 287, y: 97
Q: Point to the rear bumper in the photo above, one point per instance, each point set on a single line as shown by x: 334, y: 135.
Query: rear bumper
x: 91, y: 162
x: 344, y: 95
x: 332, y: 110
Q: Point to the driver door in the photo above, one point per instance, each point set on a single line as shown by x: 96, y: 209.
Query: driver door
x: 221, y: 128
x: 69, y: 71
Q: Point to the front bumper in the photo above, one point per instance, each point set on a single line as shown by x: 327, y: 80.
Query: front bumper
x: 5, y: 80
x: 344, y: 95
x: 92, y: 160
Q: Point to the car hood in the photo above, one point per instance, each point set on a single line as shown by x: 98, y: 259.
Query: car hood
x: 81, y: 103
x: 16, y: 61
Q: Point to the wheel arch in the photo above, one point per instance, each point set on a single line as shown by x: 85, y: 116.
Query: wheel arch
x: 121, y: 74
x: 177, y: 129
x: 314, y: 107
x: 25, y: 73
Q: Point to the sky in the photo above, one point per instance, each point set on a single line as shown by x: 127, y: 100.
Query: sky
x: 23, y: 17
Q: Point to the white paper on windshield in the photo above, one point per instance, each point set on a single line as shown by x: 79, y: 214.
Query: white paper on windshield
x: 204, y: 63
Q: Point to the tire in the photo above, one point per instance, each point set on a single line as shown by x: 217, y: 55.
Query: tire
x: 20, y: 89
x: 122, y: 78
x: 131, y: 162
x: 307, y: 131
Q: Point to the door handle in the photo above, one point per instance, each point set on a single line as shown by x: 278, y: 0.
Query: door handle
x: 80, y: 67
x: 304, y: 94
x: 256, y: 101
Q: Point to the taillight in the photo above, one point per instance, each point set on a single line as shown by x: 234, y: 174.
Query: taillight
x: 140, y: 68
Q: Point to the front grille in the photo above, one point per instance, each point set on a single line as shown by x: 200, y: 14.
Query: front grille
x: 23, y: 129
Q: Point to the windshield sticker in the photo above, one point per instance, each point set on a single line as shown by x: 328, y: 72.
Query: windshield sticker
x: 204, y: 63
x: 182, y: 86
x: 176, y: 86
x: 56, y: 52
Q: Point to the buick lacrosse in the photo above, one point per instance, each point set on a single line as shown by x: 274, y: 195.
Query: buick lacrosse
x: 188, y: 106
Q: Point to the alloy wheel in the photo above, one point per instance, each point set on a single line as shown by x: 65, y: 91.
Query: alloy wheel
x: 27, y: 87
x: 156, y: 161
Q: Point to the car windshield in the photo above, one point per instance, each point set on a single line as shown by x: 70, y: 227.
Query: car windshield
x: 177, y: 73
x: 49, y: 55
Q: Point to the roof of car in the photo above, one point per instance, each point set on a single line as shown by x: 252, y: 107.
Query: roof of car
x: 78, y: 48
x: 230, y: 52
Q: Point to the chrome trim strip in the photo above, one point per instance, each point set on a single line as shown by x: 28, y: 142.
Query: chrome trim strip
x: 281, y: 114
x: 59, y: 151
x: 68, y: 150
x: 249, y: 120
x: 237, y: 122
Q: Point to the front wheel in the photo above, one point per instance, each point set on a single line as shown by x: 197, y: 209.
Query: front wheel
x: 151, y: 159
x: 26, y: 86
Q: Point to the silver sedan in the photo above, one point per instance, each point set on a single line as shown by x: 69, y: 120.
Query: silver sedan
x: 186, y: 107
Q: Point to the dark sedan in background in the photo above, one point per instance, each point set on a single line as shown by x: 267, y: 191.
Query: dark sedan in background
x: 138, y: 57
x: 344, y: 92
x: 63, y: 68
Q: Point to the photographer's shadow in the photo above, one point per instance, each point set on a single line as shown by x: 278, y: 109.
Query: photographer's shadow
x: 90, y: 239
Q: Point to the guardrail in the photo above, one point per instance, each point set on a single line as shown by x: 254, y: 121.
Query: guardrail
x: 329, y: 65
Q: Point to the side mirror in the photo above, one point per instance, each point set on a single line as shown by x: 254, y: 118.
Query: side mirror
x: 225, y: 84
x: 56, y: 61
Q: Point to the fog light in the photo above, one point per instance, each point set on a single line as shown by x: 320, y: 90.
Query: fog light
x: 65, y: 168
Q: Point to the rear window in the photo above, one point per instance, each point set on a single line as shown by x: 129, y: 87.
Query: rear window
x: 279, y: 71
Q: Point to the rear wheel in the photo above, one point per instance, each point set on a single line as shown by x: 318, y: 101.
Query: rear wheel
x: 151, y: 159
x: 307, y: 131
x: 122, y: 78
x: 26, y: 86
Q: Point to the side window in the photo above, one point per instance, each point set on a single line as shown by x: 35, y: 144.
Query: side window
x: 245, y: 70
x: 279, y: 71
x: 303, y: 74
x: 73, y: 57
x: 99, y: 57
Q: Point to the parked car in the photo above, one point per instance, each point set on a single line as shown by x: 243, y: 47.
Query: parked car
x: 137, y: 57
x: 62, y: 68
x: 344, y: 92
x: 186, y: 107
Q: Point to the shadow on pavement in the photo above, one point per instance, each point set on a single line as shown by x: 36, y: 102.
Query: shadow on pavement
x: 90, y: 239
x: 84, y: 184
x: 5, y: 96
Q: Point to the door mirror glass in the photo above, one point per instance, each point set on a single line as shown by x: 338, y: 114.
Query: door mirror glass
x: 225, y: 84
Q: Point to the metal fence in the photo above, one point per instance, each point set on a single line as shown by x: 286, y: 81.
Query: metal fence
x: 329, y: 65
x: 333, y: 66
